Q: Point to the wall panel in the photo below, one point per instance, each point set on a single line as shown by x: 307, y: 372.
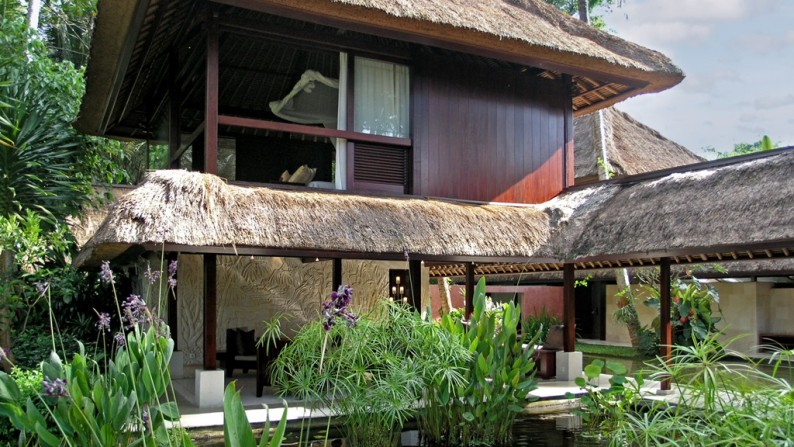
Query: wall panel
x: 486, y: 133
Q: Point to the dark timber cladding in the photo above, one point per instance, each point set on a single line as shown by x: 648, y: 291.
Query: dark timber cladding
x: 487, y: 133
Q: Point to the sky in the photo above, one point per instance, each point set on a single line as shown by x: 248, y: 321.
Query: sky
x: 738, y: 57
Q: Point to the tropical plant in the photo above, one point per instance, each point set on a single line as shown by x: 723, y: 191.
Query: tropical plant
x: 237, y: 431
x: 602, y: 409
x: 496, y: 383
x: 371, y: 372
x: 536, y: 326
x: 691, y: 313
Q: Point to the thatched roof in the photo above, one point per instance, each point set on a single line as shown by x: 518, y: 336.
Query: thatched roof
x: 193, y: 210
x: 631, y: 147
x: 94, y: 213
x: 703, y: 209
x: 132, y: 39
x: 716, y: 211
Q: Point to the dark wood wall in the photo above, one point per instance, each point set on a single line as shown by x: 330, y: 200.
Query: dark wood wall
x: 486, y: 133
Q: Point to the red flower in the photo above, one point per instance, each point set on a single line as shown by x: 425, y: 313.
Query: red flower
x: 683, y: 320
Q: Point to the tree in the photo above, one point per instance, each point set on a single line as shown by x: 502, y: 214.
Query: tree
x: 764, y: 144
x: 577, y: 7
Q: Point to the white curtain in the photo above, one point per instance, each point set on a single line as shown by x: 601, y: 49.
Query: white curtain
x: 381, y: 95
x: 313, y: 100
x: 340, y: 171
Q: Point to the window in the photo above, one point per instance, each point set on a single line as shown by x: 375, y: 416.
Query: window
x: 381, y: 98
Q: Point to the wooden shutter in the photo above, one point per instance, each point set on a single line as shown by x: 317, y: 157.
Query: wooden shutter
x: 381, y: 168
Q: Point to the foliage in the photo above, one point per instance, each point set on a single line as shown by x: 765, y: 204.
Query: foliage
x: 537, y: 326
x: 649, y: 342
x: 495, y: 384
x: 719, y: 403
x: 374, y: 372
x: 237, y: 430
x: 691, y: 312
x: 29, y: 383
x: 572, y: 7
x: 603, y: 409
x: 764, y: 144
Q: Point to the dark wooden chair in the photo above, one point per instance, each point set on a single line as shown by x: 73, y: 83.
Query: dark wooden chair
x: 265, y: 358
x: 546, y: 356
x: 240, y: 351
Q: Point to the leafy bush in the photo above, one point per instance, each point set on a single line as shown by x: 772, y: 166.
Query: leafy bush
x: 481, y: 409
x: 372, y: 371
x: 537, y: 326
x: 29, y: 383
x: 649, y: 343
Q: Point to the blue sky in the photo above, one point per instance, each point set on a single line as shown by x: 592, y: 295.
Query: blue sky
x: 738, y: 56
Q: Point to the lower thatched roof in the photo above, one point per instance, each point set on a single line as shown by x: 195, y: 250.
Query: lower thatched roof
x: 717, y: 211
x: 701, y: 210
x: 199, y: 210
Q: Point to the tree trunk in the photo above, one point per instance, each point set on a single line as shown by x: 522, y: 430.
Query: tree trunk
x: 584, y: 13
x: 6, y: 273
x: 632, y: 319
x: 34, y: 11
x: 446, y: 298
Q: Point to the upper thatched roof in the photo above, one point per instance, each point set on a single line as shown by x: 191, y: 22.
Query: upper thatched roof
x: 180, y: 208
x: 132, y: 39
x: 703, y: 209
x: 710, y: 211
x: 632, y: 147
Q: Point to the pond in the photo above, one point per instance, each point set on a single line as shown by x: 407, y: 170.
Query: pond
x: 555, y: 430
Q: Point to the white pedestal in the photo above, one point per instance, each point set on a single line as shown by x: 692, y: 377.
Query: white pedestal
x: 569, y: 366
x: 209, y: 388
x: 177, y: 365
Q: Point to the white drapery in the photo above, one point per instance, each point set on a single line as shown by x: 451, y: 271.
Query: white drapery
x: 381, y: 95
x: 313, y: 100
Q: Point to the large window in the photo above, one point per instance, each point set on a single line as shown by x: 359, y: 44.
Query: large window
x: 381, y: 98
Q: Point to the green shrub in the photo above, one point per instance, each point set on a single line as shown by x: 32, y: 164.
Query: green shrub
x: 496, y: 383
x: 373, y: 371
x: 29, y: 383
x: 537, y: 326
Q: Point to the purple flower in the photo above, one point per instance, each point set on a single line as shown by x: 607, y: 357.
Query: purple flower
x: 135, y: 311
x: 55, y: 388
x: 120, y: 339
x: 42, y: 287
x: 103, y: 321
x: 172, y: 267
x: 337, y: 306
x: 105, y: 273
x: 145, y: 418
x: 152, y: 275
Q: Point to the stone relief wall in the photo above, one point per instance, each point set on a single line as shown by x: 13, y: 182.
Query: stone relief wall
x: 251, y: 290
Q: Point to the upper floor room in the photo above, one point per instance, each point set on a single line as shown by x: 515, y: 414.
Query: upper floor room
x: 454, y: 99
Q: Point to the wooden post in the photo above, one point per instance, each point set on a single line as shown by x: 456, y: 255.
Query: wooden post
x: 469, y: 290
x: 666, y: 339
x: 175, y: 109
x: 172, y: 315
x: 569, y: 308
x: 211, y: 101
x: 336, y: 274
x: 415, y: 277
x: 210, y: 310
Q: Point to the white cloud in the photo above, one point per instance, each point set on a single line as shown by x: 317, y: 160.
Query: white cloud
x: 666, y: 32
x: 774, y: 102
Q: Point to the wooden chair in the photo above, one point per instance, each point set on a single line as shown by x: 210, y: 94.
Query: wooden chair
x: 264, y: 358
x: 240, y: 350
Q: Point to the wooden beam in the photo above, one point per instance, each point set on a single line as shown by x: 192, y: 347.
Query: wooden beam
x: 569, y: 308
x: 175, y: 112
x: 251, y: 123
x: 666, y: 342
x: 336, y: 273
x: 211, y: 97
x: 415, y: 278
x: 210, y: 311
x: 183, y: 145
x: 469, y: 290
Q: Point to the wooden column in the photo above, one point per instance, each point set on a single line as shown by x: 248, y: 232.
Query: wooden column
x: 210, y: 310
x: 666, y: 342
x: 211, y: 101
x: 469, y: 290
x: 172, y: 315
x: 415, y: 276
x: 336, y: 274
x: 175, y: 109
x: 569, y: 308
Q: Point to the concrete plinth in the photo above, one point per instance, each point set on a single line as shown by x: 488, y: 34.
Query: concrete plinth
x: 177, y: 365
x: 209, y: 388
x: 569, y: 365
